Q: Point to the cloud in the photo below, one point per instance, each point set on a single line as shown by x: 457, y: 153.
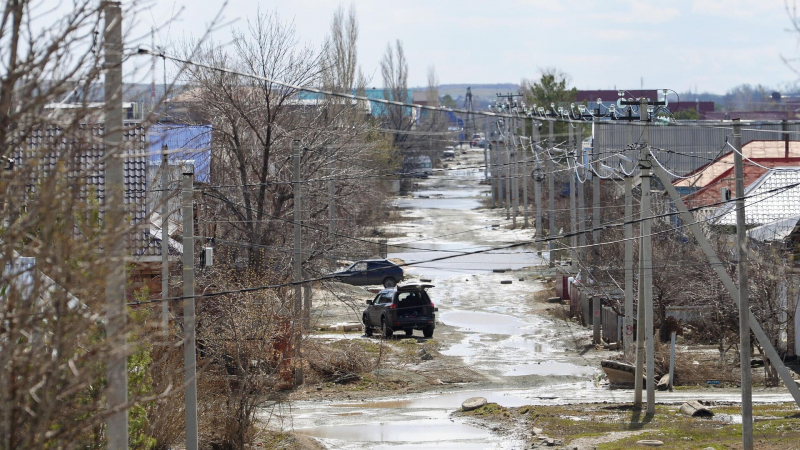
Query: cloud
x: 735, y: 8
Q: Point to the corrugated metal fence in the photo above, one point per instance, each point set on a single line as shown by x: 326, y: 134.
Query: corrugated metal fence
x: 682, y: 149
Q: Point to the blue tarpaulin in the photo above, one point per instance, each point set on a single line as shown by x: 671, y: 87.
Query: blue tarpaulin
x: 184, y: 142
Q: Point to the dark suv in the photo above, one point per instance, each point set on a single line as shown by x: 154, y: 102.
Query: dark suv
x: 406, y: 308
x: 370, y: 272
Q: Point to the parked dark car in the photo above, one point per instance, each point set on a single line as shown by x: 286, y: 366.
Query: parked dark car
x: 371, y: 272
x: 406, y: 308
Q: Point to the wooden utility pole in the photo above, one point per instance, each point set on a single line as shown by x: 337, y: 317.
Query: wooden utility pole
x: 116, y: 367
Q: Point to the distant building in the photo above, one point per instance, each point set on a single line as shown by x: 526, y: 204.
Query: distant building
x: 96, y: 114
x: 608, y: 96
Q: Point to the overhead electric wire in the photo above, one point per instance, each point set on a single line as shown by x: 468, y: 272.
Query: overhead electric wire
x: 774, y: 191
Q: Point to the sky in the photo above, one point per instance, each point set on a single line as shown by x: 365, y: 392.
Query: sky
x: 703, y: 45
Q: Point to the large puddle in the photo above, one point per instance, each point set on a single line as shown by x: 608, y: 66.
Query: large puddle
x: 489, y: 323
x: 457, y: 263
x: 438, y: 203
x: 403, y: 431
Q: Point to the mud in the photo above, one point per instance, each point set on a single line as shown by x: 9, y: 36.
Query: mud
x: 491, y: 340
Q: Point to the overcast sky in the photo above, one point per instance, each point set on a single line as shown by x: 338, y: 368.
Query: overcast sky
x: 711, y: 45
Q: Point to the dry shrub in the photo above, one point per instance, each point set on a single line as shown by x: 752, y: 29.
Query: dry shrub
x: 688, y: 373
x: 329, y: 362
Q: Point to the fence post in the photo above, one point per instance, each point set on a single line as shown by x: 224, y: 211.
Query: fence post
x: 596, y: 317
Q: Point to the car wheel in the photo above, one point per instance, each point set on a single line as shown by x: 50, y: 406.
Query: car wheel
x: 367, y: 327
x: 389, y: 282
x: 409, y: 331
x: 427, y: 332
x: 387, y: 332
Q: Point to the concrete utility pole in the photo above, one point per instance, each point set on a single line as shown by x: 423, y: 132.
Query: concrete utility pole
x: 116, y: 367
x: 486, y: 152
x: 298, y: 256
x: 524, y: 179
x: 647, y: 260
x: 331, y: 203
x: 551, y: 187
x: 628, y: 329
x: 595, y: 194
x: 639, y: 374
x: 744, y: 300
x: 189, y: 351
x: 493, y: 174
x: 514, y: 170
x: 164, y: 238
x: 581, y: 198
x: 537, y: 195
x: 507, y: 164
x: 573, y: 239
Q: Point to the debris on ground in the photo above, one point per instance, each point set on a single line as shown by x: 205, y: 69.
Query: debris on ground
x: 695, y: 409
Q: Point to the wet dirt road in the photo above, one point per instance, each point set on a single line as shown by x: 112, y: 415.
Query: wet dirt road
x: 523, y: 356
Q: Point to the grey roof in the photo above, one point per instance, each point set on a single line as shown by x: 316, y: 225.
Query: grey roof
x: 88, y: 164
x: 775, y: 231
x: 765, y: 201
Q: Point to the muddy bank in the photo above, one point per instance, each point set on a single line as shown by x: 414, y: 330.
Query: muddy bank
x: 618, y: 426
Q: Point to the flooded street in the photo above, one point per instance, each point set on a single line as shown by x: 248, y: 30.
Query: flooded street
x: 486, y: 320
x: 523, y: 356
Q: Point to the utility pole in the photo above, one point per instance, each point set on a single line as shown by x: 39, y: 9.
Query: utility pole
x: 551, y: 187
x: 628, y: 332
x: 573, y: 240
x: 581, y: 198
x: 189, y: 352
x: 493, y: 171
x: 164, y: 237
x: 331, y: 203
x: 744, y: 300
x: 647, y: 259
x: 639, y: 373
x: 507, y: 164
x: 537, y: 196
x: 595, y: 195
x: 486, y: 142
x: 298, y: 257
x: 628, y: 329
x: 116, y: 367
x: 514, y: 169
x: 524, y: 179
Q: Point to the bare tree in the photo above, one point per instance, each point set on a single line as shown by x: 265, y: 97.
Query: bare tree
x: 394, y: 71
x: 433, y: 87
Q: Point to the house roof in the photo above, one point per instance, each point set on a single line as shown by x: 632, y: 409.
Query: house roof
x: 765, y: 201
x: 775, y: 231
x: 710, y: 194
x: 753, y: 149
x: 89, y: 164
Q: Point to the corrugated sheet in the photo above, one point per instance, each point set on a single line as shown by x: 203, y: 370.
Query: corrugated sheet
x: 682, y: 149
x: 764, y: 204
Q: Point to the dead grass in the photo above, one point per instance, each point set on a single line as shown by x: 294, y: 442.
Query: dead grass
x: 776, y: 426
x: 330, y: 361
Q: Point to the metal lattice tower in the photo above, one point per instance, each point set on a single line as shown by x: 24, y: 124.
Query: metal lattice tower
x: 469, y: 121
